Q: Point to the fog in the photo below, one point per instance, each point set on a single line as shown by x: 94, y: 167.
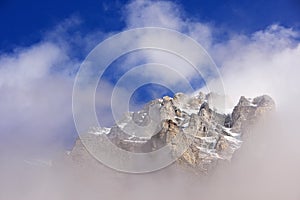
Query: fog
x: 266, y: 167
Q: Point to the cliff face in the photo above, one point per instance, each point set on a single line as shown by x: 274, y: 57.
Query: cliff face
x: 196, y: 133
x: 247, y: 111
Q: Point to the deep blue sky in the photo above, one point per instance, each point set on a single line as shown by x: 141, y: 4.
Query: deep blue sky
x: 23, y: 22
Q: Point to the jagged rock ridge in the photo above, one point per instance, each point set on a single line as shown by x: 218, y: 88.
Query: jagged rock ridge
x: 186, y: 120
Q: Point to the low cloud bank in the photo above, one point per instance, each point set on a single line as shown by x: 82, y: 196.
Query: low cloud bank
x: 266, y: 167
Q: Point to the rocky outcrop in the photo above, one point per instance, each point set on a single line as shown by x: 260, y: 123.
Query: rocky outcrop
x: 187, y: 123
x: 247, y: 111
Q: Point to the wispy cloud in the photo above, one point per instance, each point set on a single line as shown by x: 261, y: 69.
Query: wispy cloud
x: 35, y: 105
x: 265, y: 61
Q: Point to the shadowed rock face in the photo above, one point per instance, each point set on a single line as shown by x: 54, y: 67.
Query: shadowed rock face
x: 247, y: 111
x: 188, y: 125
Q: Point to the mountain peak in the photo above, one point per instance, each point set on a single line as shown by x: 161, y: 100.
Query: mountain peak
x: 197, y: 134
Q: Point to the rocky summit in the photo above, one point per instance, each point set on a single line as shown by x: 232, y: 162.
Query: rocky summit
x: 198, y: 134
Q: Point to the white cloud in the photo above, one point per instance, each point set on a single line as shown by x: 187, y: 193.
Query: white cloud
x: 143, y: 13
x: 35, y: 105
x: 265, y: 61
x: 36, y: 85
x: 166, y: 14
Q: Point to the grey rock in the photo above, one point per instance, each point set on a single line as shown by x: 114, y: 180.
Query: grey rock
x: 248, y: 111
x: 182, y: 120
